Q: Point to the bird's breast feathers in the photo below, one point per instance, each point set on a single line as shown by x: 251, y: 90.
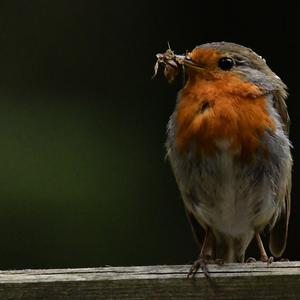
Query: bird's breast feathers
x: 209, y: 114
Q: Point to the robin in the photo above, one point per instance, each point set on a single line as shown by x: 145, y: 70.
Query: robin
x: 228, y: 145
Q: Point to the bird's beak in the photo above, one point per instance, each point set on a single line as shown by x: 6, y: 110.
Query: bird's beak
x: 188, y: 62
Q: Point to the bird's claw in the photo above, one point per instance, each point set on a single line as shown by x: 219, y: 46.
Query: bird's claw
x: 250, y: 260
x: 219, y: 261
x: 266, y: 259
x: 202, y: 263
x: 199, y: 263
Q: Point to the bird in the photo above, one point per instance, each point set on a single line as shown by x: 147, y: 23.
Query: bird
x: 228, y: 146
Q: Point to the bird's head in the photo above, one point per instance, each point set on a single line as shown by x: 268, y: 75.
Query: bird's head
x: 234, y: 65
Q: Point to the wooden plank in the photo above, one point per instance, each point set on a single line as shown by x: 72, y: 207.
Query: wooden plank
x: 280, y: 280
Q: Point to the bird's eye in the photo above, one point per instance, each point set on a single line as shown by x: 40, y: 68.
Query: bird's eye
x: 226, y: 63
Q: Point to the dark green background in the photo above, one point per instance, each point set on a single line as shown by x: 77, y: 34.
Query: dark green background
x: 83, y: 180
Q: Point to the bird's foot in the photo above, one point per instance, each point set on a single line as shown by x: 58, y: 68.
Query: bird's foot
x: 250, y: 260
x: 202, y: 263
x: 219, y: 261
x: 266, y: 259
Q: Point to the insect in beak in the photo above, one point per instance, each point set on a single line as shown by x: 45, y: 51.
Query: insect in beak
x: 172, y: 63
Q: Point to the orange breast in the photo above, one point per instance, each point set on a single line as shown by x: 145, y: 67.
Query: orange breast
x: 215, y: 110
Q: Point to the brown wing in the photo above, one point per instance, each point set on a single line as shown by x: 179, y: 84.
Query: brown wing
x: 279, y: 232
x: 280, y: 105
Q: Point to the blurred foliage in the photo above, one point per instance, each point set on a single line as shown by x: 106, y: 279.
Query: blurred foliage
x: 76, y: 191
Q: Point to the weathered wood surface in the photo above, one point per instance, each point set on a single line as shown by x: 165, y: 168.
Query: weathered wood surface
x: 280, y: 280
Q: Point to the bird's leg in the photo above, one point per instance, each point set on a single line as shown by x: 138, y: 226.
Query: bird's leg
x: 204, y: 256
x: 263, y: 254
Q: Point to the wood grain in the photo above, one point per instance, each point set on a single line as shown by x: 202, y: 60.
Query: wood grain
x: 280, y: 280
